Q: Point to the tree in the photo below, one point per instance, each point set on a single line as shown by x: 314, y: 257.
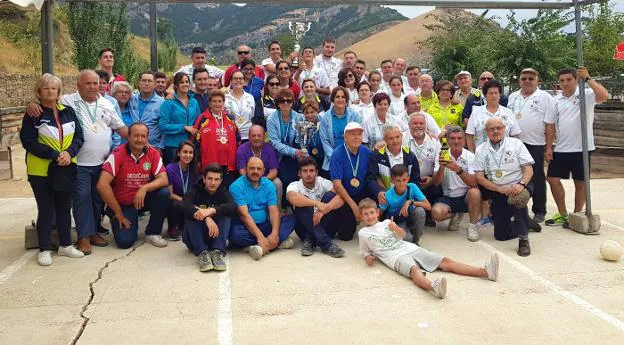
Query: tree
x: 601, y: 35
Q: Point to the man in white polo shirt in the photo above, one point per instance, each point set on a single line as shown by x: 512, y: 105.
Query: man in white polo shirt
x: 564, y: 123
x: 412, y: 105
x: 529, y: 106
x: 328, y: 63
x: 459, y: 185
x: 504, y: 168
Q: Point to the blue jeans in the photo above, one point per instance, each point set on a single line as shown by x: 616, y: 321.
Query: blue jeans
x: 305, y: 228
x: 156, y: 202
x: 196, y: 237
x: 241, y: 237
x: 87, y: 202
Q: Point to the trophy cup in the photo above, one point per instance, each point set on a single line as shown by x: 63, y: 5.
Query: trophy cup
x: 306, y: 131
x: 298, y: 30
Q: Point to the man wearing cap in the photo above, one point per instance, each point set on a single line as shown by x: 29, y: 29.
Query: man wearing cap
x: 564, y: 124
x: 464, y: 81
x: 504, y: 168
x: 347, y: 169
x: 242, y: 52
x: 530, y: 106
x: 198, y: 59
x: 476, y: 98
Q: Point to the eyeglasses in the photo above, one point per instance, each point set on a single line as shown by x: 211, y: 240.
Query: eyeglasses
x: 283, y: 69
x: 485, y: 78
x: 285, y: 101
x: 527, y: 78
x: 123, y: 92
x: 243, y: 52
x: 497, y: 128
x: 274, y: 84
x: 447, y: 90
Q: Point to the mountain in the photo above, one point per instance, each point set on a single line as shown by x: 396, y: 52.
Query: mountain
x: 406, y: 38
x: 221, y: 27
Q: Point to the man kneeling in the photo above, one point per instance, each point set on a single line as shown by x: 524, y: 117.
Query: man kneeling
x: 384, y: 240
x: 260, y: 228
x: 315, y: 201
x: 133, y: 179
x: 207, y: 208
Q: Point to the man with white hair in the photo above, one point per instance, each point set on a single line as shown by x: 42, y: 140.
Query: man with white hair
x: 427, y: 96
x: 504, y: 170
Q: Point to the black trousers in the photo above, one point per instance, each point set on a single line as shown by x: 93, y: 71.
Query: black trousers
x: 509, y: 222
x: 538, y: 179
x: 49, y: 203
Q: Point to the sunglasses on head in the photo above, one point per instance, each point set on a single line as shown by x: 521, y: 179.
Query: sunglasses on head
x: 285, y: 101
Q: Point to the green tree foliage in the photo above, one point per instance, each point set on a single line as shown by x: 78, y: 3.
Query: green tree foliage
x: 167, y: 47
x: 538, y: 42
x: 23, y: 30
x: 287, y: 41
x: 602, y: 32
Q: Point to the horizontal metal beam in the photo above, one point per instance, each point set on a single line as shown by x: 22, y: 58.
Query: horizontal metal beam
x: 437, y: 3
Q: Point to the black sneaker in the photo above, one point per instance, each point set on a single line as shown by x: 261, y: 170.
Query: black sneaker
x: 308, y: 248
x: 566, y: 224
x: 102, y: 230
x: 524, y: 249
x: 534, y: 226
x: 334, y: 251
x: 430, y: 222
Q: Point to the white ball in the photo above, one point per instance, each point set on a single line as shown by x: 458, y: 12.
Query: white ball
x: 611, y: 250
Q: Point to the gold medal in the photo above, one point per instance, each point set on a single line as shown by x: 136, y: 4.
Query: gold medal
x: 241, y: 120
x: 355, y: 183
x: 223, y: 140
x: 498, y: 174
x: 518, y: 115
x: 95, y: 128
x: 315, y: 151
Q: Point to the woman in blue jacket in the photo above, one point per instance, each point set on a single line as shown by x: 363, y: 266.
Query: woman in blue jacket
x: 177, y: 116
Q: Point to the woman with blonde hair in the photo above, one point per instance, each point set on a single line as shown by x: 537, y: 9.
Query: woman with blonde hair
x: 52, y: 142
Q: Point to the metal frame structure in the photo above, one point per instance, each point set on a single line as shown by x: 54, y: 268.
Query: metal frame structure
x: 47, y: 43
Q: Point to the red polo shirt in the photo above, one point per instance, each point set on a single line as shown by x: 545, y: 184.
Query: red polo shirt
x: 130, y: 173
x: 228, y: 73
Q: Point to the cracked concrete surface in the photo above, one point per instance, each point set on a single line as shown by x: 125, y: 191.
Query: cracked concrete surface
x: 157, y: 295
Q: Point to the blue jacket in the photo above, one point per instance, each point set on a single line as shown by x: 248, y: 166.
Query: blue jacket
x: 327, y: 132
x: 174, y: 117
x: 150, y: 116
x: 289, y: 145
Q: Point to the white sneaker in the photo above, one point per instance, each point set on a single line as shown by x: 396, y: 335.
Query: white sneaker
x: 455, y: 221
x: 156, y: 241
x: 439, y: 287
x: 255, y: 252
x: 44, y: 258
x: 471, y: 233
x: 287, y: 243
x: 70, y: 251
x: 492, y: 267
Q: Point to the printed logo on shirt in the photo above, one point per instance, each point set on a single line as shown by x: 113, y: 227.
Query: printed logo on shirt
x: 147, y: 166
x: 509, y: 157
x: 453, y: 111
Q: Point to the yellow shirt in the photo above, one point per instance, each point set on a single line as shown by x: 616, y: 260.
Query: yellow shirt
x: 451, y: 114
x: 425, y: 103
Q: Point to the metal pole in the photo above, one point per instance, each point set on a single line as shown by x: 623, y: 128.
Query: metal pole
x: 47, y: 44
x: 579, y: 60
x: 153, y: 37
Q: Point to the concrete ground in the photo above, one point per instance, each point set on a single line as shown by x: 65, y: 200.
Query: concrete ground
x: 564, y: 293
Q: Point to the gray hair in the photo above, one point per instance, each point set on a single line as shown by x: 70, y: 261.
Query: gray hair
x: 390, y: 128
x: 46, y: 79
x: 454, y: 129
x: 117, y: 85
x: 417, y: 113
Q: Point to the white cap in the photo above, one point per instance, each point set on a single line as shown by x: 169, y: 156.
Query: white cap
x: 353, y: 125
x: 463, y: 73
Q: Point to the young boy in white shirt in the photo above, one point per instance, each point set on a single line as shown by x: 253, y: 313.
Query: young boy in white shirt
x: 384, y: 240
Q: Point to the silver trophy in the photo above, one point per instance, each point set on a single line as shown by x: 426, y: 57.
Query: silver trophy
x: 306, y: 131
x: 298, y: 30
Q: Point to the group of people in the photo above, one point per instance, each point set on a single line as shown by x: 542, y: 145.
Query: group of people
x: 221, y: 155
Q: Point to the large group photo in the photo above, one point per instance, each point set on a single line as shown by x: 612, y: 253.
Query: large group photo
x: 273, y: 185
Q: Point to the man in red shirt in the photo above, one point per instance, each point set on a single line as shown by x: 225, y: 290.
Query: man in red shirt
x: 133, y: 178
x: 242, y: 52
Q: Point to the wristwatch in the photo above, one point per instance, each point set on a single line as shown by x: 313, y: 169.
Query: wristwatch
x: 587, y: 79
x: 522, y: 184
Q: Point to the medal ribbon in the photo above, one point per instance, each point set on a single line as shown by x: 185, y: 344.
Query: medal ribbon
x: 357, y: 162
x: 184, y: 181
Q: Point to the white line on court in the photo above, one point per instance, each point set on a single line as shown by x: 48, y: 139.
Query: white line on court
x: 15, y: 266
x: 556, y: 288
x: 615, y: 226
x: 224, y: 325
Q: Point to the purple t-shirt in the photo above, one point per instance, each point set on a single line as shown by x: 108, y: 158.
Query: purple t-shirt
x: 267, y: 155
x: 177, y: 181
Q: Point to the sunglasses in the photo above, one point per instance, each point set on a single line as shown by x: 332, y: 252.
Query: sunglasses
x: 274, y: 84
x: 486, y: 78
x: 527, y: 78
x: 243, y: 52
x: 285, y: 101
x: 283, y: 69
